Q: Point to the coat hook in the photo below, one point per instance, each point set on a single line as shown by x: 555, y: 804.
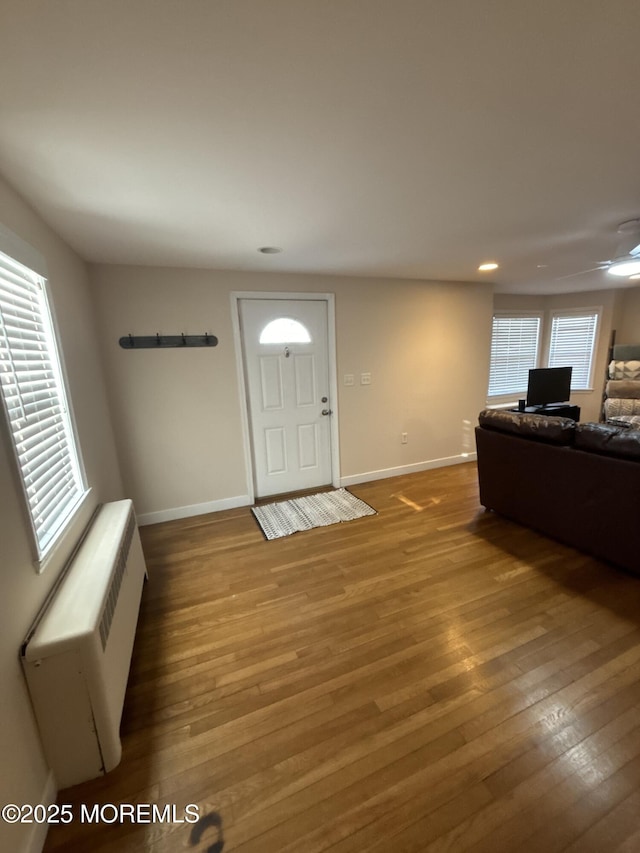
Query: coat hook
x: 160, y: 341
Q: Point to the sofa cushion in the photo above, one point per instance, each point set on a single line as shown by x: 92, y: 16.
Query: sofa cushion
x: 551, y: 430
x: 609, y: 440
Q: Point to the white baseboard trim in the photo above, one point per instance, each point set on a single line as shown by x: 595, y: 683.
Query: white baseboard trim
x: 351, y: 480
x: 367, y: 477
x: 194, y: 509
x: 38, y: 834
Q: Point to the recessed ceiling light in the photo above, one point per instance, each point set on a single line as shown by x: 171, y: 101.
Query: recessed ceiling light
x: 487, y: 267
x: 270, y: 250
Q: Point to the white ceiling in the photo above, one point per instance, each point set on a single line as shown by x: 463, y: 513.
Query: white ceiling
x: 404, y: 138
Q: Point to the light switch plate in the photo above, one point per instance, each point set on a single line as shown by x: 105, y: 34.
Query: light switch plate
x: 348, y: 379
x: 365, y: 379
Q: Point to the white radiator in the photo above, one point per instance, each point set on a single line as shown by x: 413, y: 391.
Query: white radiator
x: 77, y: 658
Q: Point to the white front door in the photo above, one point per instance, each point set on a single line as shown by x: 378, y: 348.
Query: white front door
x: 285, y: 345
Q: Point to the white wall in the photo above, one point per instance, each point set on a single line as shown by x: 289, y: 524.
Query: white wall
x: 590, y: 402
x: 25, y: 777
x: 177, y: 413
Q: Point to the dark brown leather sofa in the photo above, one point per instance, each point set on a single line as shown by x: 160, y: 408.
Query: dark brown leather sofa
x: 578, y: 483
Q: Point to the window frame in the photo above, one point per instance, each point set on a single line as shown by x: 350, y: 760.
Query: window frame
x: 596, y: 312
x: 43, y: 547
x: 508, y: 397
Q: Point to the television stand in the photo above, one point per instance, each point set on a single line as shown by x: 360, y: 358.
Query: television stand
x: 557, y: 410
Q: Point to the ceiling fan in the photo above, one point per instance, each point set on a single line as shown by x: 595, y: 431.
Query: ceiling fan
x: 626, y: 261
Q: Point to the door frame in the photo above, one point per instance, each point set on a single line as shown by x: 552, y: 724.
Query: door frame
x: 334, y: 432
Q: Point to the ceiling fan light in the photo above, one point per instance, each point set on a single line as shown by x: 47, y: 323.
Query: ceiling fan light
x: 624, y: 268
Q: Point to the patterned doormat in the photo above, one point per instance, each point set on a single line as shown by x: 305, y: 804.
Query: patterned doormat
x: 321, y: 510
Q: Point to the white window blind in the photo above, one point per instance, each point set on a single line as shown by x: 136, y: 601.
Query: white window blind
x: 573, y: 338
x: 35, y: 403
x: 514, y: 351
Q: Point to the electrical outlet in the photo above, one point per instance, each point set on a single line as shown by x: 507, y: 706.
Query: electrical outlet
x: 348, y: 379
x: 403, y: 437
x: 365, y: 379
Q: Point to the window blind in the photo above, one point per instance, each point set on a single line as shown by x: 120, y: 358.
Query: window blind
x: 35, y: 403
x: 573, y: 338
x: 514, y: 351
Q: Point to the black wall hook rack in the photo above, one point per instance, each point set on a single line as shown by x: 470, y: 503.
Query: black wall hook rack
x: 159, y: 341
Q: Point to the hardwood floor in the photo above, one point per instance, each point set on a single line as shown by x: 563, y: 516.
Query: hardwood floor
x: 433, y: 678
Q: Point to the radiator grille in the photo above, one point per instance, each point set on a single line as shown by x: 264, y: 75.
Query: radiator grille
x: 111, y: 600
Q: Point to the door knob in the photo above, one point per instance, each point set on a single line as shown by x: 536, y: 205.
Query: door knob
x: 326, y: 412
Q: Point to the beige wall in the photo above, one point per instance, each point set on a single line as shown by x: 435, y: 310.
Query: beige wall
x: 628, y: 322
x: 590, y: 402
x: 427, y: 347
x: 25, y: 776
x: 177, y: 414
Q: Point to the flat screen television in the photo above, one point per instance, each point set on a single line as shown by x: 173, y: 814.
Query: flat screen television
x: 548, y: 385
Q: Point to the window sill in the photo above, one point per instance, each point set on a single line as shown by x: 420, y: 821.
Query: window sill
x: 65, y: 541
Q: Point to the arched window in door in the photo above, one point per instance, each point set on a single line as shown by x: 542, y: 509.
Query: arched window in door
x: 285, y: 330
